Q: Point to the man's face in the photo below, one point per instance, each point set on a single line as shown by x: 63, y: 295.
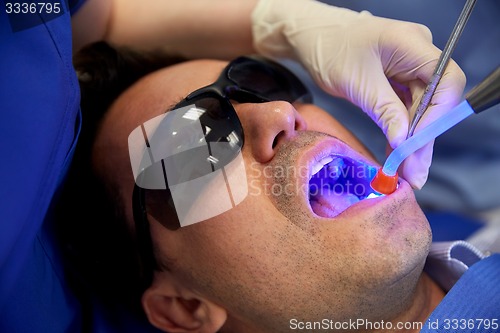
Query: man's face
x: 279, y: 254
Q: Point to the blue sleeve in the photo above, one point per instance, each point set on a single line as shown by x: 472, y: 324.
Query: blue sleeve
x: 39, y: 108
x: 39, y: 126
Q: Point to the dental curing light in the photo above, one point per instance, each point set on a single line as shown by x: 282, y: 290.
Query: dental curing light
x: 483, y: 96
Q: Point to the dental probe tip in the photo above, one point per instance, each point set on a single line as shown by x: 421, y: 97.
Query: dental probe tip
x: 383, y: 183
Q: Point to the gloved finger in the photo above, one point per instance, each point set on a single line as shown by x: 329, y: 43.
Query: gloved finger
x: 415, y: 60
x: 415, y: 168
x: 385, y: 107
x: 403, y: 93
x: 409, y: 53
x: 447, y: 95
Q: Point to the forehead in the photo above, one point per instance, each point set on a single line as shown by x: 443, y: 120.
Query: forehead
x: 159, y: 91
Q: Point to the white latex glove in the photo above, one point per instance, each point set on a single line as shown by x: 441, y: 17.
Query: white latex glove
x: 379, y: 64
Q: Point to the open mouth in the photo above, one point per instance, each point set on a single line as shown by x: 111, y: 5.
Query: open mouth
x: 338, y: 182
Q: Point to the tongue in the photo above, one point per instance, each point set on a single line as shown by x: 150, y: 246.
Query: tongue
x: 329, y: 204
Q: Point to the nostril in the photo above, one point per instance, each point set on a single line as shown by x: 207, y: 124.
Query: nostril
x: 297, y: 126
x: 277, y: 137
x: 300, y: 123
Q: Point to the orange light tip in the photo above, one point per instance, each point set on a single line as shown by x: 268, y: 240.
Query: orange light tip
x: 383, y: 183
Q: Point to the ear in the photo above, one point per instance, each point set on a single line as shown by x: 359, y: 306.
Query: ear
x: 173, y: 309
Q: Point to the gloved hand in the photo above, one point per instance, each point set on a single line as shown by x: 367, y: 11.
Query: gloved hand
x: 379, y: 64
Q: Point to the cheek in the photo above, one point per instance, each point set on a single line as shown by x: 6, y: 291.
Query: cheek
x: 319, y: 120
x: 233, y: 255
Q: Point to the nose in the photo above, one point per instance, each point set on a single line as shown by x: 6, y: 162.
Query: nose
x: 268, y: 125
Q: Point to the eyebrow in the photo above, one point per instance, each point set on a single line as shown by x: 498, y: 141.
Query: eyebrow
x: 172, y: 106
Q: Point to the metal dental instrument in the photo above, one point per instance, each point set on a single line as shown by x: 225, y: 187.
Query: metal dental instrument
x: 444, y: 58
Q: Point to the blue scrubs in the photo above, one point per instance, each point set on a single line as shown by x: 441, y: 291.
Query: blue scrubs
x: 39, y: 124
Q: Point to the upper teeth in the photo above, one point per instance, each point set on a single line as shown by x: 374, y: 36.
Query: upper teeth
x: 336, y: 166
x: 318, y: 166
x: 333, y: 163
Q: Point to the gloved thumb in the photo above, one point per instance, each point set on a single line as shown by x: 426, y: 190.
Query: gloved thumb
x: 385, y: 108
x: 415, y: 168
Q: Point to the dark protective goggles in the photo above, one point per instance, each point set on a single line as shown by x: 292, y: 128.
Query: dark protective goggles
x: 201, y: 136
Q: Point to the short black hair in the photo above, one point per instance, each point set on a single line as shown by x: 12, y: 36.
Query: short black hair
x: 99, y: 250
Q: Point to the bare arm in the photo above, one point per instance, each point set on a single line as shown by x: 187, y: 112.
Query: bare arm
x: 193, y: 28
